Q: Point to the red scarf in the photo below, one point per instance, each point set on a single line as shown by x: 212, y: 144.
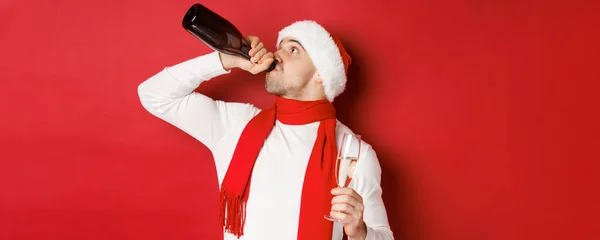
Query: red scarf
x: 319, y: 178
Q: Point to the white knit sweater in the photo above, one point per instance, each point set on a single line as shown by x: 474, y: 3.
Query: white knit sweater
x: 273, y: 206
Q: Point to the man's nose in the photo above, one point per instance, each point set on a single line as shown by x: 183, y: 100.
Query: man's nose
x: 277, y: 57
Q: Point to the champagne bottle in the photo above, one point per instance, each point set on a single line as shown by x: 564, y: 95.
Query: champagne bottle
x: 216, y: 32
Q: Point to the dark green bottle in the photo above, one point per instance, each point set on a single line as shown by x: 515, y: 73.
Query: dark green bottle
x: 216, y: 32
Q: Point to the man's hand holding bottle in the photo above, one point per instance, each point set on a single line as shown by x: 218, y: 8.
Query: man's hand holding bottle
x: 260, y: 58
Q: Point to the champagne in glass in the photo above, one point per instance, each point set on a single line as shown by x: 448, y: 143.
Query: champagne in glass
x: 347, y: 158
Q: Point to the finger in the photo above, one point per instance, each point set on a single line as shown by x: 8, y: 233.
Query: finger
x: 347, y: 199
x: 268, y: 58
x: 259, y: 55
x: 249, y: 38
x: 341, y: 217
x: 264, y: 65
x: 344, y: 208
x: 256, y: 49
x: 346, y: 191
x: 253, y: 40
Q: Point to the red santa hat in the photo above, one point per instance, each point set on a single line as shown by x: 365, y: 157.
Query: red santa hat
x: 326, y: 52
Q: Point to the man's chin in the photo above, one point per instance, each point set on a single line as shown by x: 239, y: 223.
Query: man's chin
x: 272, y: 91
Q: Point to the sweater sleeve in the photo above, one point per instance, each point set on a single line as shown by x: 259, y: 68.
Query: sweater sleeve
x: 368, y: 187
x: 169, y: 95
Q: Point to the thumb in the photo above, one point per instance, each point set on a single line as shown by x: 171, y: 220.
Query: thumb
x: 244, y: 64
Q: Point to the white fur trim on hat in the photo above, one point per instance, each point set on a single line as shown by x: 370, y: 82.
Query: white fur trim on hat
x: 323, y: 52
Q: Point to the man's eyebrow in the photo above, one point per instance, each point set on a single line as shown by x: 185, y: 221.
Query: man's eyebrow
x: 292, y: 40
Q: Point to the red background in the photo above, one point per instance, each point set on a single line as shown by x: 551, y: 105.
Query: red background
x: 484, y: 114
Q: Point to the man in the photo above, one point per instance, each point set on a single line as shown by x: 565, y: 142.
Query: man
x: 276, y: 166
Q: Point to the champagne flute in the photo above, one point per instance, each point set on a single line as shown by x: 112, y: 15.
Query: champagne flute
x: 345, y: 165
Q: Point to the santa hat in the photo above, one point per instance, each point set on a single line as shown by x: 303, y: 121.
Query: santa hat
x: 326, y: 52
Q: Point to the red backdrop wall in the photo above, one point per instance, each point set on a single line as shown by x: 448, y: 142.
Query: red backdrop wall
x: 484, y: 115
